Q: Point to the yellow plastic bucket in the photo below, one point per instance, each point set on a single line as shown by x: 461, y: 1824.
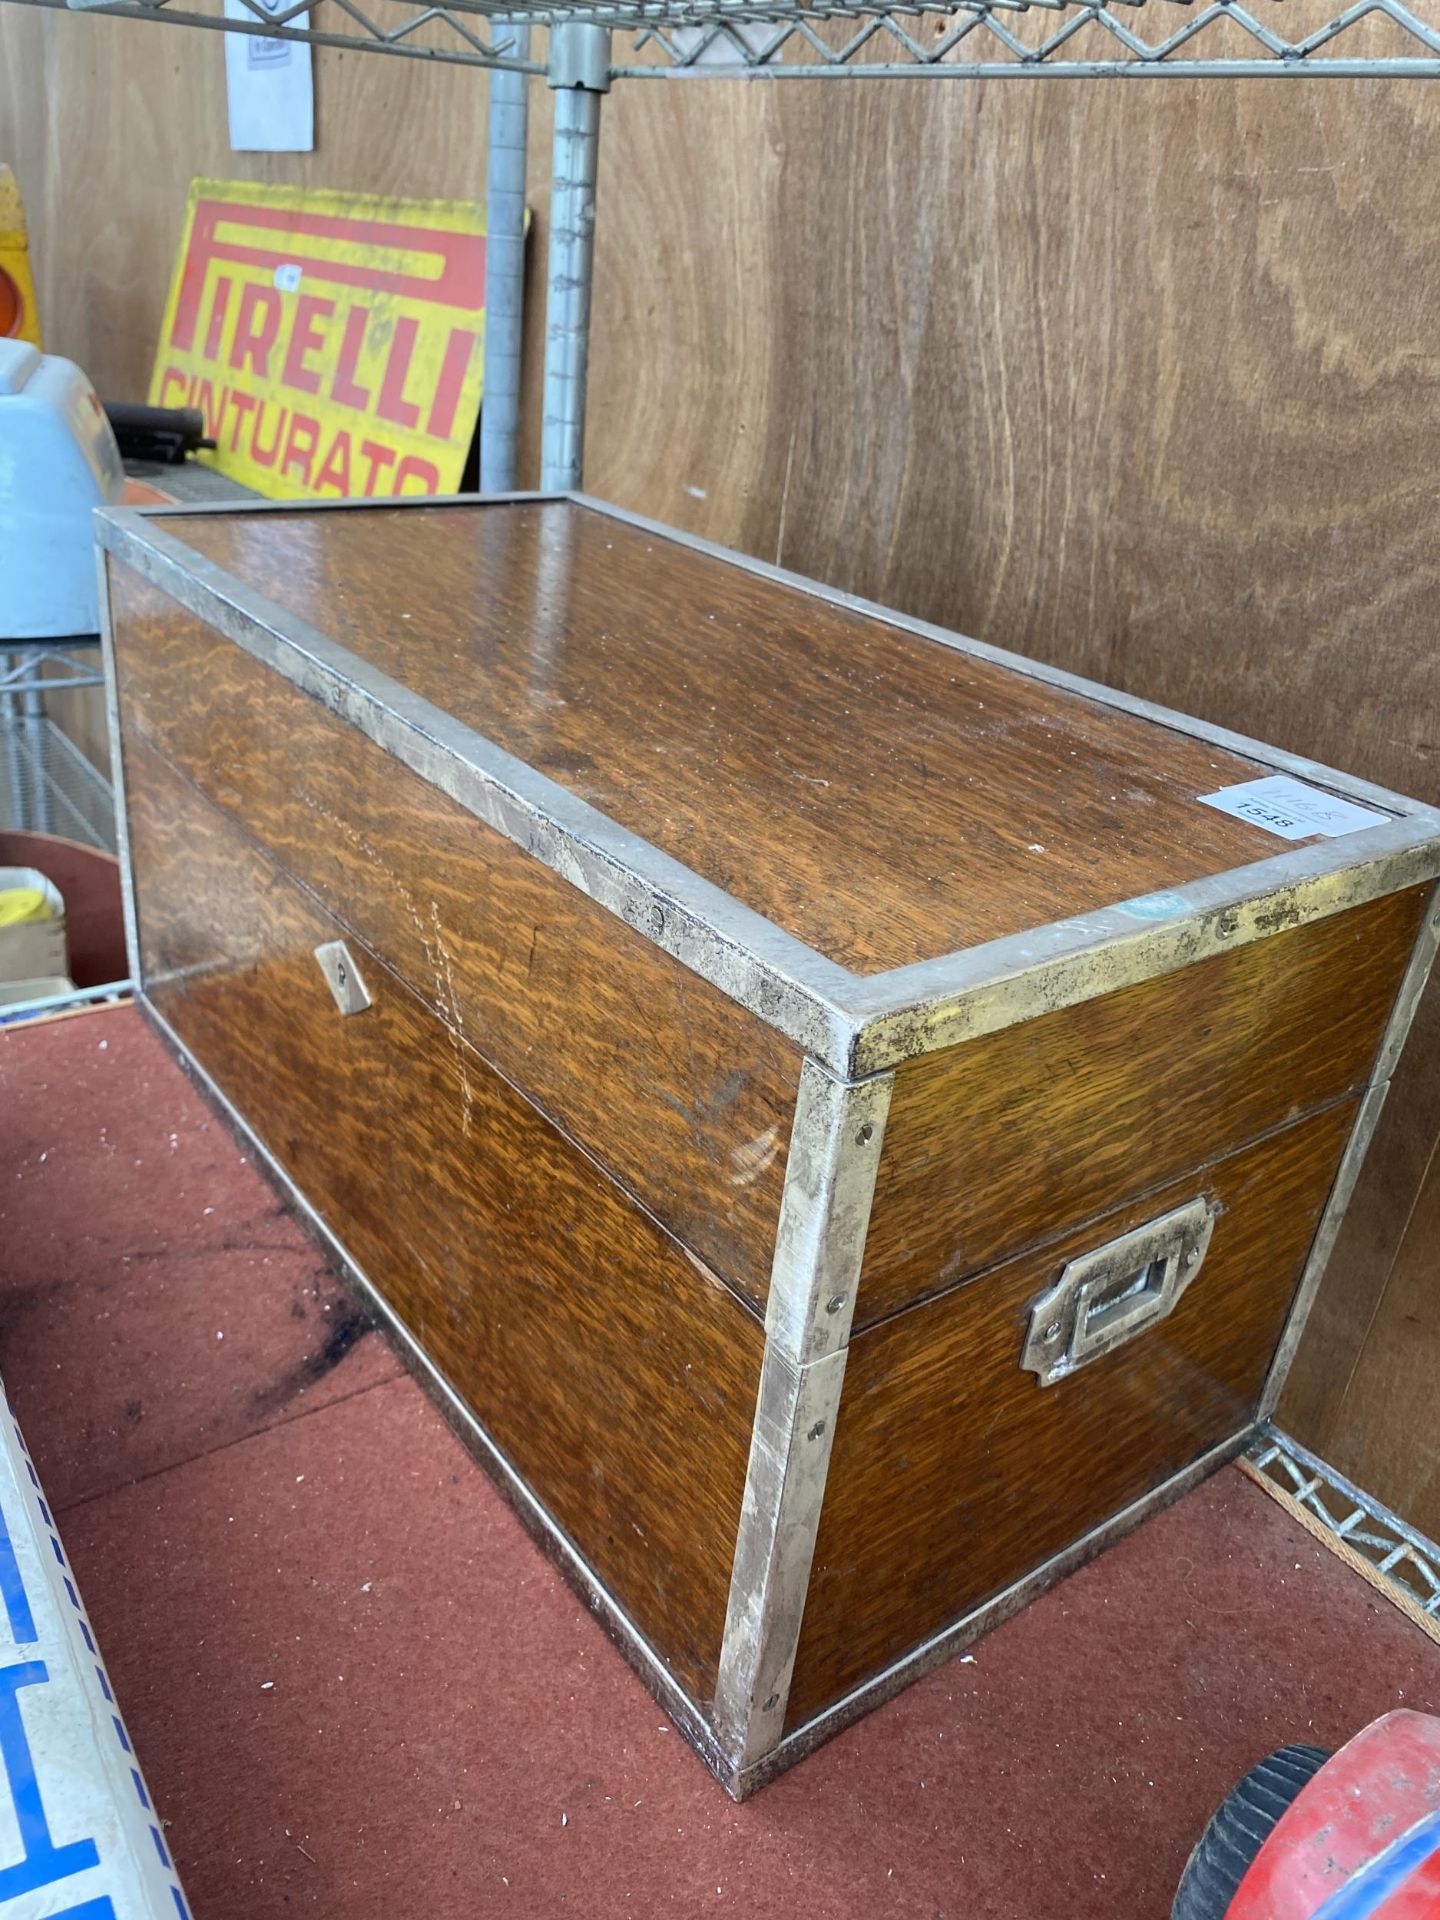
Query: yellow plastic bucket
x: 20, y: 905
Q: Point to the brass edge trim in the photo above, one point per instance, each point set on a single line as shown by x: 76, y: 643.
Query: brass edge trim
x: 824, y: 1217
x: 941, y: 1003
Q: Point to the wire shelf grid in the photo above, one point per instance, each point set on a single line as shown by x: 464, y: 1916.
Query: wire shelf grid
x: 50, y: 668
x: 1394, y: 1548
x: 788, y: 39
x: 48, y: 786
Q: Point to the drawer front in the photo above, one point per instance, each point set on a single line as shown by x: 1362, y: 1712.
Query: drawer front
x: 1000, y: 1143
x: 614, y: 1374
x: 955, y: 1471
x: 679, y: 1092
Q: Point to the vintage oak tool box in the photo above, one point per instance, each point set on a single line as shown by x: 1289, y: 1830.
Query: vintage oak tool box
x: 848, y: 1120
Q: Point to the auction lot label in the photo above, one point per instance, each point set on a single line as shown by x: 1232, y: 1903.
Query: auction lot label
x: 333, y: 341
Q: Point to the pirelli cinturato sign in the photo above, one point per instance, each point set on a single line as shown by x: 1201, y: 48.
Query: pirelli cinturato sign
x: 333, y: 341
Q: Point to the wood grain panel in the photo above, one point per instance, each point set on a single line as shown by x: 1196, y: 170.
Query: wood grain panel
x: 1140, y: 381
x: 680, y: 1093
x: 880, y: 795
x: 612, y: 1370
x: 1003, y: 1141
x: 954, y: 1472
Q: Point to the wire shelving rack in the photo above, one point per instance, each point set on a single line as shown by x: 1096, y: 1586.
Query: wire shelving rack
x: 47, y: 785
x: 583, y: 47
x: 789, y: 39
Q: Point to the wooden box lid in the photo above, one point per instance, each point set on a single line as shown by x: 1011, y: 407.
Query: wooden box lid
x: 830, y: 789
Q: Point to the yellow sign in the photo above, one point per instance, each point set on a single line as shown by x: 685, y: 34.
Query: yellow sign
x: 19, y: 316
x: 333, y: 341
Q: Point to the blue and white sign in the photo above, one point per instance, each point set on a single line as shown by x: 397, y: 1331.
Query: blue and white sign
x: 79, y: 1837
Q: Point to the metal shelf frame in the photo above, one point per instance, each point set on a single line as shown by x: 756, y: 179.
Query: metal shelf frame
x: 48, y: 786
x: 46, y: 783
x: 591, y: 44
x: 1398, y: 1552
x: 790, y: 40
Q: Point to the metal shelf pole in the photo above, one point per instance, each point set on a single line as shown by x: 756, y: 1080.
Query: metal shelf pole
x: 579, y: 73
x: 10, y: 730
x: 504, y: 268
x: 33, y: 713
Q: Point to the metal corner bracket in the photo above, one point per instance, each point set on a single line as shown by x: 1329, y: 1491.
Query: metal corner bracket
x: 824, y: 1218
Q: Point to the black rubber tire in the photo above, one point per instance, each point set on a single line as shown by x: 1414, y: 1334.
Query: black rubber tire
x: 1239, y: 1828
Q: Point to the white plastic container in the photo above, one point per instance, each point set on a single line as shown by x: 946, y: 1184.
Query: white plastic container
x: 58, y: 462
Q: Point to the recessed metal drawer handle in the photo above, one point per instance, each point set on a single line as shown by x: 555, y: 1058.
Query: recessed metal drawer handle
x: 1106, y: 1297
x: 342, y: 976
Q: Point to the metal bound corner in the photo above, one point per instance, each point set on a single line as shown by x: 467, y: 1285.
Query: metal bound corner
x: 824, y: 1218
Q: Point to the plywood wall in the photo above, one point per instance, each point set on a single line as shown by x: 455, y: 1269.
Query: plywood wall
x: 1143, y: 378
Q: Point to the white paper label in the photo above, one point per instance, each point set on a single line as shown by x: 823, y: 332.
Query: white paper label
x: 1288, y: 807
x: 270, y: 86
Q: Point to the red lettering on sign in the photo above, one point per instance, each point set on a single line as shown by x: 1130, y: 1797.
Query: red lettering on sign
x: 414, y: 468
x: 215, y: 415
x: 459, y: 283
x: 255, y: 330
x: 216, y: 328
x: 306, y: 337
x: 336, y: 470
x: 240, y: 404
x: 458, y: 349
x: 300, y: 444
x: 347, y: 390
x: 170, y: 374
x: 265, y: 456
x: 379, y: 457
x: 392, y: 404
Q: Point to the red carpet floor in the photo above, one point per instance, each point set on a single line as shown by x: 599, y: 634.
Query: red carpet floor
x: 358, y: 1689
